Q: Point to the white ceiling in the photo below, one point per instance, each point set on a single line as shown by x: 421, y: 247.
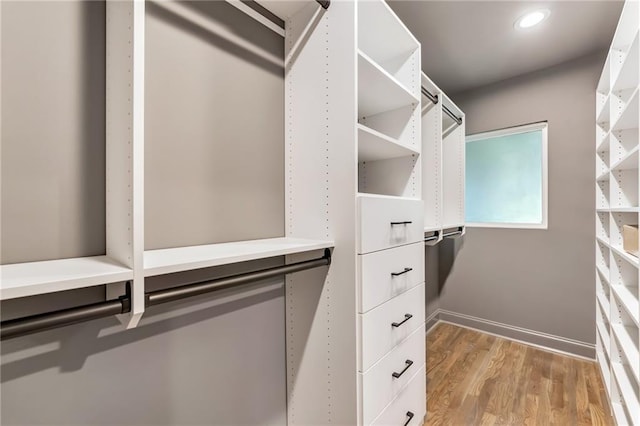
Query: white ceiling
x: 467, y: 44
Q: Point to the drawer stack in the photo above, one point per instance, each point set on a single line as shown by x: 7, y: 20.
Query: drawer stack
x: 391, y: 310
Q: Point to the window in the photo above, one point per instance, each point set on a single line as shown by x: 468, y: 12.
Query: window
x: 506, y: 178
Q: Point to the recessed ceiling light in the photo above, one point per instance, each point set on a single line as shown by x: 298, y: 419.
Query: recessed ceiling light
x: 532, y: 18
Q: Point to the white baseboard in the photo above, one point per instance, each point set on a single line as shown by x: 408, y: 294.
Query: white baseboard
x: 544, y: 341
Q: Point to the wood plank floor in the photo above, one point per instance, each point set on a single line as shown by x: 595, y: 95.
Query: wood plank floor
x: 479, y: 379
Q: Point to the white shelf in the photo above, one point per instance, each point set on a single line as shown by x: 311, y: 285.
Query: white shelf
x: 603, y: 114
x: 604, y: 305
x: 629, y: 300
x: 603, y: 176
x: 28, y: 279
x: 624, y: 210
x: 379, y: 91
x: 373, y: 145
x: 602, y: 240
x: 603, y: 145
x: 629, y: 117
x: 604, y: 336
x: 626, y: 256
x: 167, y: 261
x: 603, y: 210
x: 628, y: 394
x: 603, y: 274
x: 628, y: 75
x: 627, y: 345
x: 629, y: 161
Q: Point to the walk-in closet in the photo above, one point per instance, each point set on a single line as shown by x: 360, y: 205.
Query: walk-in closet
x: 314, y: 212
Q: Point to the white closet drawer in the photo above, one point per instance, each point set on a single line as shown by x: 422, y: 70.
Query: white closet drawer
x: 377, y: 330
x: 388, y: 273
x: 388, y: 222
x: 380, y: 385
x: 409, y: 407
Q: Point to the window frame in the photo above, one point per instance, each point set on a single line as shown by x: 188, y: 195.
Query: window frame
x: 542, y: 126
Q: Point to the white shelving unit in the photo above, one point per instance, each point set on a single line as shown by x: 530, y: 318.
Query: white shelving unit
x: 368, y: 199
x: 617, y: 195
x: 442, y: 165
x: 453, y: 164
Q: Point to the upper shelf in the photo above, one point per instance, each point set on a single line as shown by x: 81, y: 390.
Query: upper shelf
x: 373, y: 145
x: 603, y: 114
x: 31, y: 278
x: 381, y: 34
x: 628, y: 75
x: 167, y: 261
x: 379, y: 91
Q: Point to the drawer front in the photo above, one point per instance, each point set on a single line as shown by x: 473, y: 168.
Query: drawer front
x: 409, y: 407
x: 377, y: 330
x: 384, y: 381
x: 388, y: 273
x: 388, y: 222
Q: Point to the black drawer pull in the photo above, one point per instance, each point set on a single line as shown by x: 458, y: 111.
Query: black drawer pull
x: 407, y: 317
x: 410, y: 415
x: 395, y: 274
x: 406, y: 222
x: 408, y: 363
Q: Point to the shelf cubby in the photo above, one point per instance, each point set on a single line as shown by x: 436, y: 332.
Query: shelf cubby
x: 628, y: 161
x: 605, y: 109
x: 603, y: 363
x: 624, y: 188
x: 618, y: 220
x: 602, y: 256
x: 602, y: 226
x: 393, y: 177
x: 384, y: 38
x: 627, y: 77
x: 603, y: 333
x: 625, y: 360
x: 378, y: 91
x: 624, y: 110
x: 602, y: 194
x: 373, y: 145
x: 628, y: 395
x: 602, y: 138
x: 622, y: 143
x: 626, y: 346
x: 602, y: 164
x: 624, y: 282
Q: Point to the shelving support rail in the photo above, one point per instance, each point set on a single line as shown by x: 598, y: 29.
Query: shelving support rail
x: 50, y: 320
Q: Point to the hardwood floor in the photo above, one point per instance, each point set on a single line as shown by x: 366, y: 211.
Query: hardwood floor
x: 479, y: 379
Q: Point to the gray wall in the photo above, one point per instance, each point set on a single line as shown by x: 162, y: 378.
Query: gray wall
x: 541, y: 280
x: 214, y: 360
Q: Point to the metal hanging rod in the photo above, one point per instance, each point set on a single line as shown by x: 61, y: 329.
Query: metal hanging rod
x: 453, y: 233
x: 433, y: 237
x: 47, y: 321
x: 433, y: 98
x: 452, y: 115
x: 263, y: 15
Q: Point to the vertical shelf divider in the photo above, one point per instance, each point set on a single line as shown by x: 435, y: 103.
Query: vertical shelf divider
x: 125, y: 147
